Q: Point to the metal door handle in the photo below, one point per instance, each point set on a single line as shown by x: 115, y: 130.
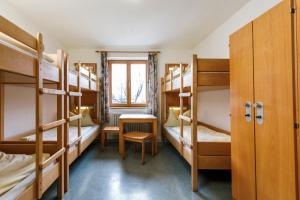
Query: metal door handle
x: 248, y: 111
x: 259, y: 110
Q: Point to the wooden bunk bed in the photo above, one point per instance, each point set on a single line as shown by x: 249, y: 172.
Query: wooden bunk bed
x: 179, y: 88
x: 82, y: 90
x: 22, y: 61
x: 82, y: 87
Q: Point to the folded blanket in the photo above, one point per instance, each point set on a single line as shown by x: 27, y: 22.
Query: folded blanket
x: 14, y: 168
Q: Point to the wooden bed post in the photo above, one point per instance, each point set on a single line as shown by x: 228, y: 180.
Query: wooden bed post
x: 39, y: 116
x: 194, y: 138
x: 1, y: 111
x: 162, y: 107
x: 79, y: 106
x: 60, y: 129
x: 67, y: 125
x: 181, y: 108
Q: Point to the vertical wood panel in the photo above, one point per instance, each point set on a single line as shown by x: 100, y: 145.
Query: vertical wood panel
x: 242, y: 132
x: 2, y: 112
x: 273, y: 72
x: 60, y: 129
x: 194, y: 110
x: 297, y: 76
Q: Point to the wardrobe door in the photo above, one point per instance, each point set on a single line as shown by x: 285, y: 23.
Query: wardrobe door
x: 242, y: 126
x: 273, y: 80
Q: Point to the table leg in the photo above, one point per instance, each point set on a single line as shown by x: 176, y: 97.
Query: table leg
x: 155, y: 136
x: 121, y: 142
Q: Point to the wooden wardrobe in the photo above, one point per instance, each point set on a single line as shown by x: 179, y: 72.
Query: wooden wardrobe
x: 264, y: 107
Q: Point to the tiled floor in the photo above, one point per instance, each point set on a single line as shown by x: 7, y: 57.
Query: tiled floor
x: 103, y: 175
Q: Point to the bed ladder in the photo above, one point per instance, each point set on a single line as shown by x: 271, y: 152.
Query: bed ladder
x: 192, y: 145
x: 69, y: 118
x: 182, y: 118
x: 41, y: 127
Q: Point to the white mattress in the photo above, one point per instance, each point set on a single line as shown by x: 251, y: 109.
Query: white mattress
x: 73, y: 134
x: 17, y: 173
x: 204, y: 134
x: 13, y: 193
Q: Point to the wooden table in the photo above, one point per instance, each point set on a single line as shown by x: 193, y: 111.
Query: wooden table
x: 137, y: 118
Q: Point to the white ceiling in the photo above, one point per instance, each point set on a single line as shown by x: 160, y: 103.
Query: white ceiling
x: 121, y: 24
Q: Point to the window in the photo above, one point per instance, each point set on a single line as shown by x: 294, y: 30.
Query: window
x: 127, y: 83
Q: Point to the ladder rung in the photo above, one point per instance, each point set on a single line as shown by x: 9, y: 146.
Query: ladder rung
x: 187, y: 119
x: 75, y: 94
x: 188, y: 94
x: 75, y: 117
x: 52, y: 125
x: 52, y: 158
x: 75, y: 142
x: 185, y: 142
x: 52, y: 91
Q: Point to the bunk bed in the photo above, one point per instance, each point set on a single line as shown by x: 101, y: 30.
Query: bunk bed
x: 23, y: 61
x: 82, y: 87
x: 202, y: 145
x: 82, y: 91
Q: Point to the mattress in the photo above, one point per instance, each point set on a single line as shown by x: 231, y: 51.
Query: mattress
x: 204, y: 134
x: 17, y: 172
x: 50, y: 135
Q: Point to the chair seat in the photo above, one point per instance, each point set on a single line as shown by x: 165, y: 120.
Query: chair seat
x: 111, y: 129
x: 137, y: 136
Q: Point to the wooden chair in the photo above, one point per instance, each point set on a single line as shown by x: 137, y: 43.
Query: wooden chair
x: 139, y: 137
x: 108, y: 130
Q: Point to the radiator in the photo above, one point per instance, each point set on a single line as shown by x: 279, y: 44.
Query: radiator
x: 140, y: 127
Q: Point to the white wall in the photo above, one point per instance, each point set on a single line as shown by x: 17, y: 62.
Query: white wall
x: 214, y: 106
x: 19, y: 101
x: 12, y: 14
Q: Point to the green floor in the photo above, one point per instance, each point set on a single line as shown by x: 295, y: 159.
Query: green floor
x: 103, y: 175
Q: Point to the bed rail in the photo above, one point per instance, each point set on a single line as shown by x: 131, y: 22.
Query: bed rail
x: 52, y: 158
x: 210, y: 73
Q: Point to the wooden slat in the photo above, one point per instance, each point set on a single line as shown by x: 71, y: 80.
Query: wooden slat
x: 52, y: 91
x: 213, y: 78
x: 52, y: 158
x: 185, y: 118
x: 213, y: 65
x: 75, y: 94
x: 214, y: 162
x: 1, y: 112
x: 185, y: 142
x: 52, y: 125
x: 187, y: 94
x: 75, y: 142
x: 17, y: 62
x: 17, y: 33
x: 75, y: 117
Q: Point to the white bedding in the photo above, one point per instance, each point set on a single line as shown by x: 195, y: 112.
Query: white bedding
x: 17, y: 172
x: 204, y: 134
x: 73, y: 134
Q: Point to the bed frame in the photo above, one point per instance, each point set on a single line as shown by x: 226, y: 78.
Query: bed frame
x: 22, y: 61
x: 82, y: 89
x: 179, y: 88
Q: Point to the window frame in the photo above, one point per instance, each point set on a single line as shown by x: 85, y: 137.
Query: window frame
x: 128, y: 83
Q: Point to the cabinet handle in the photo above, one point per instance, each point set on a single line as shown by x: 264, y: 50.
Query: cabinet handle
x: 248, y: 111
x: 259, y: 109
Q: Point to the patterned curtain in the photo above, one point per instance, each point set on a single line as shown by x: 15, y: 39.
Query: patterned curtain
x: 104, y: 88
x: 152, y: 84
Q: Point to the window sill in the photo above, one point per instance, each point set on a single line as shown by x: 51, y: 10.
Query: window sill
x: 132, y: 107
